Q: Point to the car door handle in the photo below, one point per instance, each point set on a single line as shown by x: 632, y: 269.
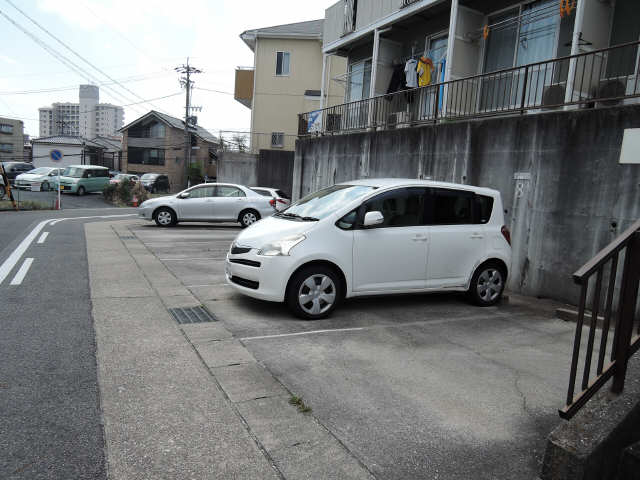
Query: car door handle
x: 419, y: 238
x: 477, y: 235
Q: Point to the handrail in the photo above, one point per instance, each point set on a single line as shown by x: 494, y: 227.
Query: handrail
x: 605, y: 254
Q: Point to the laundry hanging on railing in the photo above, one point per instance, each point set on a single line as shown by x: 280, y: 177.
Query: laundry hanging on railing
x: 411, y: 73
x: 424, y: 70
x: 398, y: 80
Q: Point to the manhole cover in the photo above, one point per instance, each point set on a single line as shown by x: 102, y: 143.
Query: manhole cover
x: 192, y: 315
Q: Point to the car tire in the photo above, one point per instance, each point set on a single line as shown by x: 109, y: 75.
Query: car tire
x: 3, y: 191
x: 81, y: 191
x: 248, y: 217
x: 320, y: 286
x: 165, y: 217
x: 45, y: 186
x: 487, y: 284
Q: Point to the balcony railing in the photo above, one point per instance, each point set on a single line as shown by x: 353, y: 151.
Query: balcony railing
x: 603, y: 77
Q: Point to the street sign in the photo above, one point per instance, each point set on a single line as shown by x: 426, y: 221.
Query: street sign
x: 56, y: 155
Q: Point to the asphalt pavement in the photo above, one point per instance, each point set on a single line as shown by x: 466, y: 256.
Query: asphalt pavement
x: 50, y: 425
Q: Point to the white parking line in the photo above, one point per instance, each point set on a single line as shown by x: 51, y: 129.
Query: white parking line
x: 330, y: 330
x: 43, y: 237
x: 17, y: 280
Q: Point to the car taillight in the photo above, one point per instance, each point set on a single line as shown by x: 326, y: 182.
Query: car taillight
x: 272, y: 202
x: 282, y: 201
x: 506, y: 234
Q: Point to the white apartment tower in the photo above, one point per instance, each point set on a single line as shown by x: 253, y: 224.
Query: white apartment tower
x: 88, y: 119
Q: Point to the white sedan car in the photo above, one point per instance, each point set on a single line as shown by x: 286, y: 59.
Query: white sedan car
x: 208, y: 202
x: 45, y: 176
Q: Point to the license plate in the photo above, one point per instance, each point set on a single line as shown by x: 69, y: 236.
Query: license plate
x: 62, y: 187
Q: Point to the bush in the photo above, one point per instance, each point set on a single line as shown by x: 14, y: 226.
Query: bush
x: 123, y: 191
x: 109, y: 192
x: 139, y: 192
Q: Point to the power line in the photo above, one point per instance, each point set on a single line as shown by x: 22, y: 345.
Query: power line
x: 77, y: 54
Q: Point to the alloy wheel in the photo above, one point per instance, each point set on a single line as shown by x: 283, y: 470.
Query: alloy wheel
x: 489, y: 284
x: 317, y: 294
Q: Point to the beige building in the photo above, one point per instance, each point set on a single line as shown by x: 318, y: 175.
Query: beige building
x: 11, y: 140
x: 286, y: 79
x: 154, y: 143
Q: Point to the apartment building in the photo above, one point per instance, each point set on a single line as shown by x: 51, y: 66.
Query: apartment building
x: 285, y: 80
x: 154, y: 143
x: 11, y: 139
x: 491, y: 56
x: 87, y: 119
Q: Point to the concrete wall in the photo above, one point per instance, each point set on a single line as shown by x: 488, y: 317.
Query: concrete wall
x: 565, y: 194
x: 236, y: 167
x: 14, y: 138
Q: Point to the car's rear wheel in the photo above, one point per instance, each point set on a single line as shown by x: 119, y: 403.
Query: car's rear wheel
x: 2, y: 192
x: 248, y: 217
x: 165, y: 217
x: 487, y: 284
x: 81, y: 191
x: 314, y: 292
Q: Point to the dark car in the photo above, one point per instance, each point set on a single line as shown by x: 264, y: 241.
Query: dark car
x: 13, y: 169
x: 155, y: 182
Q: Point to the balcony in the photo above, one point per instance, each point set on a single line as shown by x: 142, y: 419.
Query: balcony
x: 243, y: 92
x: 605, y: 77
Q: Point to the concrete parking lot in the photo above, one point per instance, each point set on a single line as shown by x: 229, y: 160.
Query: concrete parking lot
x: 423, y: 386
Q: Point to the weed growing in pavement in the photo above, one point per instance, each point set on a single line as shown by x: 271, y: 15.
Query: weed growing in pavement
x: 298, y: 402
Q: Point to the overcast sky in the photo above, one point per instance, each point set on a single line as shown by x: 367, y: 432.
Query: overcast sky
x: 137, y: 42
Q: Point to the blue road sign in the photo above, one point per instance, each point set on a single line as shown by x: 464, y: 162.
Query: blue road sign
x: 56, y: 155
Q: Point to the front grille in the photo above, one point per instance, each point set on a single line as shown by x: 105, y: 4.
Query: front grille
x: 235, y: 250
x: 242, y: 261
x: 243, y: 282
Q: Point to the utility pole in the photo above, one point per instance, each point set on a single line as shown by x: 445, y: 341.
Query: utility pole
x: 185, y: 80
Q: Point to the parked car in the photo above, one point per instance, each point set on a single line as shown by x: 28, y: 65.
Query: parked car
x: 13, y: 169
x: 208, y: 202
x: 2, y: 188
x: 42, y: 175
x: 155, y: 182
x: 81, y: 179
x: 121, y: 176
x: 279, y: 199
x: 371, y: 237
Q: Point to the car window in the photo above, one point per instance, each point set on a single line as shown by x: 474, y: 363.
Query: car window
x: 202, y: 192
x: 228, y: 191
x: 101, y: 172
x: 483, y: 206
x: 348, y: 221
x: 264, y: 193
x: 282, y: 194
x: 400, y: 208
x: 449, y: 207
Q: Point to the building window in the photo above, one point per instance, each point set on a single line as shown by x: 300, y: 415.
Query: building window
x: 145, y: 156
x: 282, y: 63
x: 6, y: 147
x: 6, y: 128
x: 277, y: 139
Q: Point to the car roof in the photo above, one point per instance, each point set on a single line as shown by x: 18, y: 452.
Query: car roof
x: 87, y: 166
x: 400, y: 182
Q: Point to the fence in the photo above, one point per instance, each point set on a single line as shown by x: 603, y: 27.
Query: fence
x: 603, y: 77
x: 619, y: 305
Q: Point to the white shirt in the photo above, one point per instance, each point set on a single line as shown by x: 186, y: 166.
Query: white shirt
x: 410, y: 73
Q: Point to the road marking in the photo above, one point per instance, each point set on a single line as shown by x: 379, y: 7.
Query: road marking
x: 17, y: 280
x: 311, y: 332
x: 16, y: 255
x: 43, y: 237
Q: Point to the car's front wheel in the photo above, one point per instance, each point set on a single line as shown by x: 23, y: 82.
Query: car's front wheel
x: 313, y: 292
x: 165, y: 217
x: 248, y: 217
x: 45, y: 186
x: 81, y: 191
x: 487, y: 284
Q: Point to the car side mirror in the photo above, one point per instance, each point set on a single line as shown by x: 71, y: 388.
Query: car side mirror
x: 373, y: 218
x: 184, y: 195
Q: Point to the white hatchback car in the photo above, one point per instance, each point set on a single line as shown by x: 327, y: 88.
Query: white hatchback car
x: 208, y: 202
x: 371, y: 237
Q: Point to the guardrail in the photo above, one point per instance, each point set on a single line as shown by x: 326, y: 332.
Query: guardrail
x: 603, y: 77
x: 620, y: 305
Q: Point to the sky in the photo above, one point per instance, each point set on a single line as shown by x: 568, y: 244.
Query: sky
x: 138, y: 43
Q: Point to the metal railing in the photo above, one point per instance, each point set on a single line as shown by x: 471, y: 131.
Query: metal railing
x: 599, y: 78
x: 620, y: 303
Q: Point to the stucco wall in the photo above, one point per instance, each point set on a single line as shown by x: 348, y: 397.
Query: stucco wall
x: 562, y: 186
x: 236, y: 167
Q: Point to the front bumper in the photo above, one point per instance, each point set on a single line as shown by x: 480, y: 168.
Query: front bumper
x: 73, y: 188
x: 145, y: 213
x: 268, y: 281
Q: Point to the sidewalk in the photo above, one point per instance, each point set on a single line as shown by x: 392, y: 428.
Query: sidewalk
x: 189, y: 401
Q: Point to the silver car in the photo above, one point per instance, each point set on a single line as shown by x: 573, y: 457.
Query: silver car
x: 45, y: 176
x: 208, y: 202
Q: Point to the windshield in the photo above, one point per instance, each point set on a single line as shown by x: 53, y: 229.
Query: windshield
x: 40, y: 171
x: 74, y: 172
x: 324, y: 202
x: 148, y: 176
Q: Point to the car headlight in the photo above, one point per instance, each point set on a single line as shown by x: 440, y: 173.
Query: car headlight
x: 281, y: 247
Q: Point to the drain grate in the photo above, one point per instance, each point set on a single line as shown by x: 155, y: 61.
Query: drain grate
x: 192, y: 315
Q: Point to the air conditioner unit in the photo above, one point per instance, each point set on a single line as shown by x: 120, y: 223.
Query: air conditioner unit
x: 553, y: 96
x: 613, y: 90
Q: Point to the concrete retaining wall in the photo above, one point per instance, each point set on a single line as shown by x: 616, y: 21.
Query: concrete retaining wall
x: 565, y: 194
x: 237, y: 167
